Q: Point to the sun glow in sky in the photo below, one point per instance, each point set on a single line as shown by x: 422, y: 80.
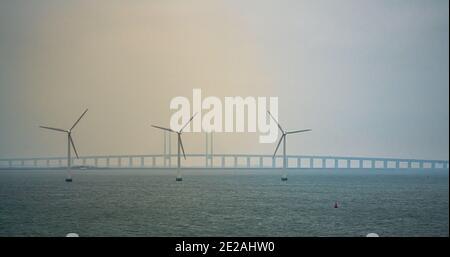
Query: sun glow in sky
x: 369, y: 77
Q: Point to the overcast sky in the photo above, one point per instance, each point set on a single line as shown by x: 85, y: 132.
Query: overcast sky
x: 369, y: 77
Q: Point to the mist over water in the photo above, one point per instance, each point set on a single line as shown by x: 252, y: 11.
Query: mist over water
x: 225, y: 203
x: 370, y: 78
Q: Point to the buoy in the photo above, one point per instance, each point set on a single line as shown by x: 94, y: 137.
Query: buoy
x: 68, y: 179
x: 336, y: 205
x: 179, y: 179
x: 372, y: 235
x: 72, y: 235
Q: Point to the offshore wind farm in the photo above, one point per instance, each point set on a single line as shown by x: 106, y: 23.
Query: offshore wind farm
x: 224, y: 118
x: 240, y: 184
x: 211, y: 160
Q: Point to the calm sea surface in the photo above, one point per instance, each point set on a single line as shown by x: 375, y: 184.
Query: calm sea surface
x: 225, y: 203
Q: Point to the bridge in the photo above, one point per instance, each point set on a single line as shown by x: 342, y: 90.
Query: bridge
x: 221, y: 161
x: 210, y: 160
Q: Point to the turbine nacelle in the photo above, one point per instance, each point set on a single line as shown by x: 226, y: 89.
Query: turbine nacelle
x: 284, y: 134
x: 179, y: 133
x: 69, y: 132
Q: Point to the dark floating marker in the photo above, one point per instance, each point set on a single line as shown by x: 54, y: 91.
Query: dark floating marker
x: 179, y: 179
x: 68, y: 179
x: 336, y: 205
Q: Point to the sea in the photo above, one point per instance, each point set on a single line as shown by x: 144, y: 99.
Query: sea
x: 230, y: 203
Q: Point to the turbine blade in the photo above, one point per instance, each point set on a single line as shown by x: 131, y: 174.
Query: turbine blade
x: 168, y: 129
x: 279, y: 126
x: 73, y: 146
x: 298, y: 131
x: 187, y: 123
x: 181, y: 144
x: 56, y: 129
x: 276, y: 149
x: 76, y: 122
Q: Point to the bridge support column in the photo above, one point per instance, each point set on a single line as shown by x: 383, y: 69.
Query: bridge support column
x: 60, y: 162
x: 206, y: 150
x: 299, y: 162
x: 361, y: 164
x: 421, y: 165
x: 409, y: 164
x: 35, y: 163
x: 142, y: 161
x: 211, y: 148
x: 248, y: 162
x: 385, y: 164
x: 107, y: 162
x: 96, y: 162
x: 235, y: 162
x: 349, y: 164
x: 223, y: 161
x: 274, y: 162
x: 120, y: 161
x: 167, y: 156
x: 130, y: 162
x: 336, y: 163
x: 311, y: 163
x: 434, y: 165
x: 397, y: 164
x: 261, y: 162
x: 153, y: 161
x: 373, y: 164
x: 165, y: 149
x: 324, y: 163
x: 169, y: 135
x: 10, y: 164
x: 84, y: 161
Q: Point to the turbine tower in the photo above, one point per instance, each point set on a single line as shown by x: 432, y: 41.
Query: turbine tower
x: 283, y: 138
x: 180, y: 145
x: 69, y: 143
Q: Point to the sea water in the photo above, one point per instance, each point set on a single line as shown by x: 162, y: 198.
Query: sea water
x: 148, y: 202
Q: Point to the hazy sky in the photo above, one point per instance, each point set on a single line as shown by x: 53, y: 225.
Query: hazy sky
x: 369, y: 77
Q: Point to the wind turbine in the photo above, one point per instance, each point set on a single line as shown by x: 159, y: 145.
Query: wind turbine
x: 283, y: 138
x: 69, y: 143
x: 180, y: 145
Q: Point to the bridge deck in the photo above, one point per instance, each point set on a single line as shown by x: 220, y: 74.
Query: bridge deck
x: 232, y: 161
